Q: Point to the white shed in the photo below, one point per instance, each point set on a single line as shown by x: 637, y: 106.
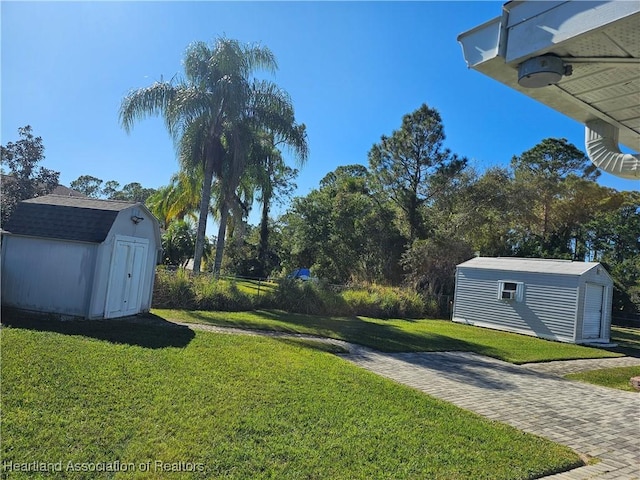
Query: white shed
x: 553, y: 299
x: 80, y: 257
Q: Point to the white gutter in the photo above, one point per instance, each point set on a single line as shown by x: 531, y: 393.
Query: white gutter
x: 601, y: 141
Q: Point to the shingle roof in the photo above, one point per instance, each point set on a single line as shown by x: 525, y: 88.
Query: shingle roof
x: 66, y: 218
x: 67, y: 192
x: 536, y: 265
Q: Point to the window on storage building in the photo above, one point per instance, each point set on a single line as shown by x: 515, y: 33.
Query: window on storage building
x: 510, y: 291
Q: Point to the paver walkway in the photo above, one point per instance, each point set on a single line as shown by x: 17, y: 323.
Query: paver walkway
x: 594, y: 421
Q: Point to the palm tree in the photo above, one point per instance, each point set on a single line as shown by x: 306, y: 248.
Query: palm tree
x: 201, y: 111
x: 269, y: 110
x: 180, y: 199
x: 273, y: 177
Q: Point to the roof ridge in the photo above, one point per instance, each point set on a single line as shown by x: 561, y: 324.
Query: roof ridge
x: 89, y: 199
x: 558, y: 260
x: 82, y: 203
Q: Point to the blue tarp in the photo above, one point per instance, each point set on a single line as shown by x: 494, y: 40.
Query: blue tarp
x: 301, y: 273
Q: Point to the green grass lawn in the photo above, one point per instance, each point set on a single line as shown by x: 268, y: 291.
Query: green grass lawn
x: 234, y: 407
x: 400, y: 335
x: 628, y: 340
x: 617, y: 377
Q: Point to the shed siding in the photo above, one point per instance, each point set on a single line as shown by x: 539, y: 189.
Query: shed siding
x: 31, y: 282
x: 123, y: 225
x: 103, y: 264
x: 597, y: 275
x: 548, y: 308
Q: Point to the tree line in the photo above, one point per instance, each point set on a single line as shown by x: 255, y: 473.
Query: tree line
x: 94, y: 187
x: 417, y: 210
x: 405, y: 216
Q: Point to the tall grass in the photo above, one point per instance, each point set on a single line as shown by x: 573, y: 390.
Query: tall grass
x: 220, y: 295
x: 384, y: 302
x: 305, y: 297
x: 174, y: 290
x: 180, y: 290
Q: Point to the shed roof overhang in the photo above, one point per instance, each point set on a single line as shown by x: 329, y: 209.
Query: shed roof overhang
x: 599, y: 40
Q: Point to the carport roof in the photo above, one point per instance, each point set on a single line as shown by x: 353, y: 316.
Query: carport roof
x: 65, y: 218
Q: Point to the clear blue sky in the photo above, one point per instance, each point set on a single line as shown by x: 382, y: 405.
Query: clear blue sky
x: 353, y: 69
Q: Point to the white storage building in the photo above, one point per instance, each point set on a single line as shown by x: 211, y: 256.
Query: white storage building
x: 80, y: 257
x: 553, y: 299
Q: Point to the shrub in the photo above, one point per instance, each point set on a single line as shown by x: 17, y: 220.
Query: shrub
x: 173, y: 290
x: 361, y: 302
x: 180, y: 290
x: 298, y: 297
x: 432, y: 308
x: 216, y: 294
x: 384, y: 302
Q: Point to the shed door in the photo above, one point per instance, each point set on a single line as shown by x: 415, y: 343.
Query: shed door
x: 592, y: 318
x: 126, y: 276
